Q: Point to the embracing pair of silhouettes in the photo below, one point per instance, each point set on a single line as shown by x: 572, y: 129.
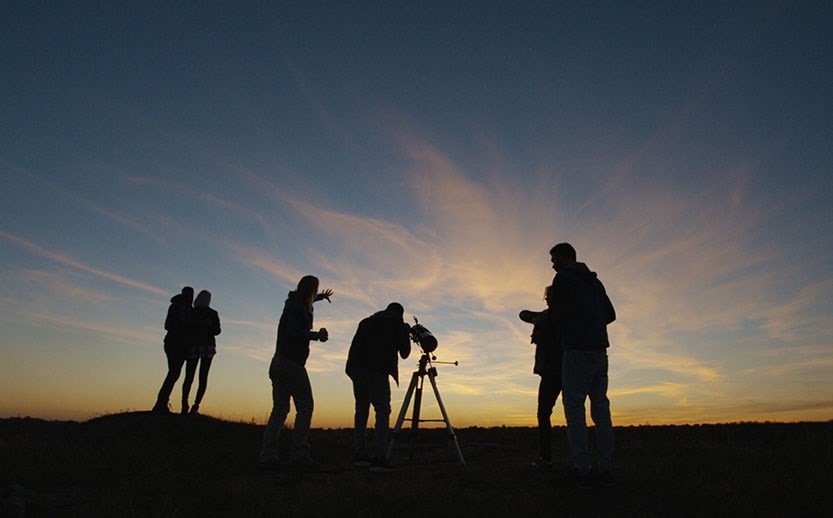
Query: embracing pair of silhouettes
x: 191, y: 326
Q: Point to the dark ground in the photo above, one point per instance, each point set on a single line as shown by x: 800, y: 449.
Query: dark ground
x: 138, y: 464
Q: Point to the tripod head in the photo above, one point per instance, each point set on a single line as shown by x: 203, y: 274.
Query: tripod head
x: 427, y: 343
x: 428, y: 359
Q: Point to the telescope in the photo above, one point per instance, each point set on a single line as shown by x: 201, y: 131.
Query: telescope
x: 428, y: 343
x: 423, y: 337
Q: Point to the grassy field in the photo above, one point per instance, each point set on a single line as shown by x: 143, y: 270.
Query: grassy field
x: 138, y: 464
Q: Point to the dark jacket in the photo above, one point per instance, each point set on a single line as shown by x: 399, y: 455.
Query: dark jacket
x: 580, y: 307
x: 206, y: 325
x: 295, y: 330
x: 547, y: 348
x: 378, y: 339
x: 178, y: 322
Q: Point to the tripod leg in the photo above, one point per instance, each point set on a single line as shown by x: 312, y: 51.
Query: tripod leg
x: 415, y: 414
x: 404, y: 410
x: 445, y: 417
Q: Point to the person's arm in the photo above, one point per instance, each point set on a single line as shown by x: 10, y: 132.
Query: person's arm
x: 359, y: 339
x: 610, y: 313
x: 325, y: 295
x: 404, y: 341
x: 171, y: 318
x: 321, y: 335
x: 298, y: 322
x: 216, y: 328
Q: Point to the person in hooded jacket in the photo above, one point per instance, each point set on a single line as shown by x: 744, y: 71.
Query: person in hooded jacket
x: 548, y: 367
x: 578, y: 304
x: 201, y: 350
x: 178, y: 327
x: 289, y: 376
x: 379, y: 340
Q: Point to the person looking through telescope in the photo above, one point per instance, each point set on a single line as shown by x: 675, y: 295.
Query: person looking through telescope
x: 372, y: 358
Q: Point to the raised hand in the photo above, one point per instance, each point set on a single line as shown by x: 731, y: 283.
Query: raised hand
x: 326, y: 294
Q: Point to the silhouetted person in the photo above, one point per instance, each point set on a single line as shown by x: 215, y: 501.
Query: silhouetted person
x: 379, y: 340
x: 548, y: 367
x: 177, y: 323
x: 289, y: 376
x: 580, y: 307
x: 201, y: 349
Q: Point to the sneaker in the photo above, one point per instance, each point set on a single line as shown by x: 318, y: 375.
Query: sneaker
x: 160, y: 409
x: 381, y: 465
x: 541, y: 464
x: 361, y: 460
x: 606, y: 478
x: 194, y: 409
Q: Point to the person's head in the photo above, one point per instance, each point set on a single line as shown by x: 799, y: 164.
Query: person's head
x: 307, y: 289
x: 561, y: 255
x: 395, y: 309
x: 188, y: 293
x: 203, y: 299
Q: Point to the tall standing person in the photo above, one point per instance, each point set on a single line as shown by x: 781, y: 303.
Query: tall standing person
x: 289, y: 376
x: 379, y: 341
x: 580, y: 307
x: 178, y: 327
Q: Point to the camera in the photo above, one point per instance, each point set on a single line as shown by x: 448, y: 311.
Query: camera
x: 423, y: 337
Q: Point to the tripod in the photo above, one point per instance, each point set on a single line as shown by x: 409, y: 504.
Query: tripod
x: 417, y: 380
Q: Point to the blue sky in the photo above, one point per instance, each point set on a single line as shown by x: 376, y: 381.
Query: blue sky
x: 429, y: 154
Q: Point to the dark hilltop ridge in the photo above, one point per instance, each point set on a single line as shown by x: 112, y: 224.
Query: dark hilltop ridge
x: 141, y: 464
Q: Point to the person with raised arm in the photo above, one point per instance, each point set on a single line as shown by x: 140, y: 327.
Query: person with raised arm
x: 289, y: 376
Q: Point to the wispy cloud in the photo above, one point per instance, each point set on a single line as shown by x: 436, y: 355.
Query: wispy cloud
x: 68, y: 261
x: 493, y: 236
x: 131, y: 334
x: 49, y: 285
x: 821, y: 363
x: 799, y: 316
x: 260, y: 260
x: 384, y: 257
x: 315, y: 101
x: 206, y: 198
x: 666, y: 390
x: 107, y: 212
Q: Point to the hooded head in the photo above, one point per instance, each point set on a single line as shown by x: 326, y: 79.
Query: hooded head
x: 203, y: 299
x: 186, y: 295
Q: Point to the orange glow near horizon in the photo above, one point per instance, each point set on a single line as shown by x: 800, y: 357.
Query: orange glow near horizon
x: 395, y: 170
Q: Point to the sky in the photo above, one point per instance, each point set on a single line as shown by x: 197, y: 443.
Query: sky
x: 429, y: 153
